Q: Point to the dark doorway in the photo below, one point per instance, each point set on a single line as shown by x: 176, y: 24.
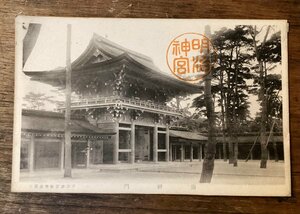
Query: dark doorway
x: 47, y: 154
x: 195, y: 152
x: 96, y: 152
x: 108, y: 151
x: 143, y: 144
x: 79, y: 154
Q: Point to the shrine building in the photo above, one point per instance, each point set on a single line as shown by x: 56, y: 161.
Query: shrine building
x: 121, y: 99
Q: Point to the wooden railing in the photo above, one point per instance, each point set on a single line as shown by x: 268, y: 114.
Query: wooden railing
x: 137, y: 102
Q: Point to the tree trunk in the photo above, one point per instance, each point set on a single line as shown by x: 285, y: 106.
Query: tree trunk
x: 264, y: 156
x: 208, y: 162
x: 235, y: 124
x: 227, y: 104
x: 263, y: 97
x: 263, y: 139
x: 231, y: 152
x: 228, y: 123
x: 224, y: 148
x: 223, y: 118
x: 236, y: 153
x: 263, y: 136
x: 210, y: 147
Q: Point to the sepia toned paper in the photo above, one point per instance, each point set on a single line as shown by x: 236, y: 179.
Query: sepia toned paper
x: 154, y: 106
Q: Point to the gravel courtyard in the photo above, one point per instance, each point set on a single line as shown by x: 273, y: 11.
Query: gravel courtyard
x: 247, y: 173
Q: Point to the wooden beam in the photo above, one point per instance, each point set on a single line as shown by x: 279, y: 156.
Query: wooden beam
x: 200, y: 152
x: 155, y: 144
x: 31, y: 153
x: 130, y: 106
x: 101, y: 151
x: 167, y: 144
x: 125, y: 128
x: 132, y: 142
x: 116, y: 145
x: 62, y: 154
x: 88, y: 153
x: 124, y: 150
x: 161, y: 132
x: 171, y: 153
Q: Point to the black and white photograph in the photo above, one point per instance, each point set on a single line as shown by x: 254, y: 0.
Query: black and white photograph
x: 154, y: 106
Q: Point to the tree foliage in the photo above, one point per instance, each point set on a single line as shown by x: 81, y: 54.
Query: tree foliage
x: 246, y: 57
x: 39, y: 101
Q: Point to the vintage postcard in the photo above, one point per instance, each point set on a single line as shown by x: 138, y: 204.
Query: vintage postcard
x: 154, y: 106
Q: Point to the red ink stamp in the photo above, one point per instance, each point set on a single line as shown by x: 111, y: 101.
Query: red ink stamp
x: 191, y: 56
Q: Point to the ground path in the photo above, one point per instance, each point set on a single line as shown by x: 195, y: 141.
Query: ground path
x: 173, y: 172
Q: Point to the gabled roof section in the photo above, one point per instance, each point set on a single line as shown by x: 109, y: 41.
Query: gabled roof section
x: 109, y: 50
x: 46, y: 121
x: 102, y: 55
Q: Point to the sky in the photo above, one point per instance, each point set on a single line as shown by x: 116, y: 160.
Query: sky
x: 149, y: 37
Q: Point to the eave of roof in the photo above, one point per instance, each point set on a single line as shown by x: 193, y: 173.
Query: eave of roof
x: 187, y: 135
x: 130, y: 58
x: 45, y: 121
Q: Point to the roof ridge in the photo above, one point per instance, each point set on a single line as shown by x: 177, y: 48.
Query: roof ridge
x: 96, y: 37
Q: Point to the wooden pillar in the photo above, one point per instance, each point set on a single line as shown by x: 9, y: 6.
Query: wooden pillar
x: 132, y: 143
x: 148, y: 141
x: 200, y: 152
x: 274, y: 148
x: 74, y: 155
x: 101, y: 151
x: 182, y: 153
x: 31, y: 153
x: 116, y: 145
x: 155, y: 144
x: 62, y: 154
x: 167, y: 144
x: 171, y: 153
x: 68, y: 91
x: 192, y: 151
x: 175, y: 152
x: 88, y: 149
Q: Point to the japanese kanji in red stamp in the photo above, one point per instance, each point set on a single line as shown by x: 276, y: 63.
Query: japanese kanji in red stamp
x: 191, y: 56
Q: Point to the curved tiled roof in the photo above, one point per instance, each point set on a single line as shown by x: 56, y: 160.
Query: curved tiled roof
x: 116, y: 55
x: 187, y: 135
x: 46, y: 121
